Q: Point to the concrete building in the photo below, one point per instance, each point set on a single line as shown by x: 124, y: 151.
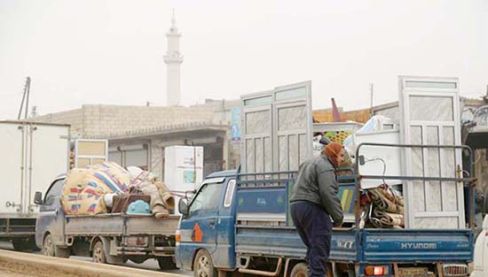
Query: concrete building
x: 138, y: 135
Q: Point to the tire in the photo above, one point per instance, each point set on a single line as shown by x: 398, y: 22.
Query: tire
x: 48, y: 248
x: 98, y: 255
x: 203, y: 265
x: 166, y: 263
x: 351, y: 273
x: 299, y: 270
x: 51, y: 250
x: 24, y: 244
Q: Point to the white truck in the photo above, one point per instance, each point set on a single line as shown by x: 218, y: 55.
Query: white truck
x: 32, y: 155
x: 480, y: 263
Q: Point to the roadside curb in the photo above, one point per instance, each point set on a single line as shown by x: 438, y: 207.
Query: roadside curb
x: 38, y: 265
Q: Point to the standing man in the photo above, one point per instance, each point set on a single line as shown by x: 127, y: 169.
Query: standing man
x: 314, y: 201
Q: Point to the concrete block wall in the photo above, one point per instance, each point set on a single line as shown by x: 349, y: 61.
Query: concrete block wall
x: 105, y: 121
x: 72, y: 117
x: 110, y: 121
x: 481, y: 169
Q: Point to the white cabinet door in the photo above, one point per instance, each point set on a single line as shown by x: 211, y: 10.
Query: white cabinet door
x: 276, y: 129
x: 431, y: 116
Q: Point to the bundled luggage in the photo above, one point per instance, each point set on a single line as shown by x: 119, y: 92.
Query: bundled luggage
x: 109, y: 188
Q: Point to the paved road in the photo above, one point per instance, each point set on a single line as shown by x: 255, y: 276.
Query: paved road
x: 150, y: 264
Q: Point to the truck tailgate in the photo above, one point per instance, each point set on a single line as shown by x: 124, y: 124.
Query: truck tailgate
x: 416, y: 245
x: 365, y: 246
x: 119, y: 224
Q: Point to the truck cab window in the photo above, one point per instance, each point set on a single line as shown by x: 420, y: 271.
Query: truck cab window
x: 207, y: 199
x: 55, y: 191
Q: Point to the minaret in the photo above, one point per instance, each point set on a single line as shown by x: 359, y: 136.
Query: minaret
x: 173, y: 60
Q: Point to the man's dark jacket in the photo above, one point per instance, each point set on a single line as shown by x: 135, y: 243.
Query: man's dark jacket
x: 316, y: 182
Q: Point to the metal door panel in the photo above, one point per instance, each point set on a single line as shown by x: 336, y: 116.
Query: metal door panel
x: 293, y: 120
x: 430, y: 115
x: 277, y: 129
x: 257, y: 137
x: 48, y: 157
x: 12, y: 165
x: 137, y: 157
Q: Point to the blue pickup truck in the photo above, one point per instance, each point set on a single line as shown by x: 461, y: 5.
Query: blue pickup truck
x: 238, y: 221
x: 241, y: 223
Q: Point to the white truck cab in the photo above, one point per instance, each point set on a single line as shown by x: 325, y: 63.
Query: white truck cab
x: 480, y: 258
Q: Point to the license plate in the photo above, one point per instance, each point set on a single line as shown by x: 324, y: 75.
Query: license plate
x: 414, y: 272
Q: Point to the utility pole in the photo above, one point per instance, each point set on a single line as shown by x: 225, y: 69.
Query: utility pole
x: 25, y: 99
x: 34, y: 111
x: 371, y: 90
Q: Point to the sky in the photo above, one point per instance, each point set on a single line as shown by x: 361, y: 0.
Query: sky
x: 111, y: 52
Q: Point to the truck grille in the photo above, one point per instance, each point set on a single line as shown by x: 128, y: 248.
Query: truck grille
x: 455, y: 270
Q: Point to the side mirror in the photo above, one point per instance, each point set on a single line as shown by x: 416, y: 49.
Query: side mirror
x: 38, y: 198
x: 183, y: 207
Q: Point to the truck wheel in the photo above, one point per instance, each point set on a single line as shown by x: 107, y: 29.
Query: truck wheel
x: 51, y: 250
x: 98, y: 255
x: 166, y: 263
x: 203, y: 265
x: 299, y: 270
x: 48, y: 246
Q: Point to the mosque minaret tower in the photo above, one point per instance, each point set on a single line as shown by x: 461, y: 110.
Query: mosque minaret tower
x: 173, y: 60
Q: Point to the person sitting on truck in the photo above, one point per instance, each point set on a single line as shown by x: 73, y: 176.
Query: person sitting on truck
x: 314, y: 201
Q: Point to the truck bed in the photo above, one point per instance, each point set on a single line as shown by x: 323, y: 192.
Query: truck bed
x: 361, y: 246
x: 264, y: 227
x: 118, y: 224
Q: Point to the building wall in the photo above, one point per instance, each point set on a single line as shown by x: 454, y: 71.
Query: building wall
x: 109, y: 121
x: 105, y: 121
x: 223, y: 115
x: 73, y: 117
x: 358, y: 115
x: 481, y: 169
x: 211, y: 140
x: 392, y: 112
x: 118, y: 122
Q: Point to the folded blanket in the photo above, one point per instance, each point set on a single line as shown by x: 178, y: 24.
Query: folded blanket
x: 387, y: 208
